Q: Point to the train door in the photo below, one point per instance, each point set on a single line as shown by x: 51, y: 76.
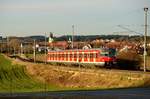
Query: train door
x: 91, y: 56
x: 75, y: 56
x: 80, y: 56
x: 88, y: 56
x: 85, y: 57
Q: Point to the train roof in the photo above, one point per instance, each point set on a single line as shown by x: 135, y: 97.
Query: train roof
x: 80, y: 49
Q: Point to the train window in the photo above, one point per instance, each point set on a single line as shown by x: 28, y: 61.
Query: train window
x: 66, y: 55
x: 70, y: 55
x: 91, y: 55
x: 56, y: 55
x: 80, y: 55
x: 104, y: 53
x: 85, y: 55
x: 75, y: 55
x: 96, y: 55
x: 88, y: 55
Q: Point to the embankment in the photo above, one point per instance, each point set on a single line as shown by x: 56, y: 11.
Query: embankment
x: 73, y: 78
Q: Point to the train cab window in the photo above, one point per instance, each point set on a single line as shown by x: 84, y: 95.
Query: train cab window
x: 104, y: 53
x: 112, y: 52
x: 108, y: 52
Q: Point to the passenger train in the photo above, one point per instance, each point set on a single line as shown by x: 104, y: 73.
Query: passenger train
x: 99, y: 57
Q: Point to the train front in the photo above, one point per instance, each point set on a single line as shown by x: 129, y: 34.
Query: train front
x: 108, y: 56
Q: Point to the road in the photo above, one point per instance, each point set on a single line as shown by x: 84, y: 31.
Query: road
x: 131, y: 93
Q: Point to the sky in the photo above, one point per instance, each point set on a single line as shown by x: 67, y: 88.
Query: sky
x: 89, y: 17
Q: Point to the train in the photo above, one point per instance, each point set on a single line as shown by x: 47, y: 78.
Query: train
x: 98, y: 57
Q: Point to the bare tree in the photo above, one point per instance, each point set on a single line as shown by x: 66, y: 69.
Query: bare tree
x: 14, y: 45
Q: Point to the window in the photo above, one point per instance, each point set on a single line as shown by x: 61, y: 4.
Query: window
x: 91, y: 55
x: 75, y: 55
x: 70, y: 55
x: 80, y: 55
x: 62, y: 55
x: 96, y: 55
x: 66, y: 55
x: 108, y: 52
x: 85, y: 55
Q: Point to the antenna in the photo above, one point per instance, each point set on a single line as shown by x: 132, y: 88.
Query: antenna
x: 145, y: 38
x: 72, y: 36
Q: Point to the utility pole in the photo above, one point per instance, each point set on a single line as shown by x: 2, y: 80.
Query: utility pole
x: 21, y: 52
x: 45, y: 50
x: 145, y: 38
x: 34, y: 53
x: 72, y: 36
x: 7, y: 43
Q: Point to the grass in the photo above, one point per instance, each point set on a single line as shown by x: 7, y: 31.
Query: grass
x: 23, y: 78
x: 13, y: 78
x: 39, y: 57
x: 147, y: 62
x: 87, y: 81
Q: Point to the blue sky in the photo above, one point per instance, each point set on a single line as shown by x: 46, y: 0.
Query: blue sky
x: 35, y: 17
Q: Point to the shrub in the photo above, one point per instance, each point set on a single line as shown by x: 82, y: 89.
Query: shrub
x: 128, y: 60
x: 148, y: 51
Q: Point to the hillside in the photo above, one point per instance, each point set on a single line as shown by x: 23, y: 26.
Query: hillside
x: 19, y: 76
x: 73, y: 78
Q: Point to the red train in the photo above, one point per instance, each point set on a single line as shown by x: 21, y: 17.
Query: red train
x: 101, y: 57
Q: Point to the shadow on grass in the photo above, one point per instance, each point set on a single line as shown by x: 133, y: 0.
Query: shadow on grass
x: 128, y: 64
x: 113, y: 93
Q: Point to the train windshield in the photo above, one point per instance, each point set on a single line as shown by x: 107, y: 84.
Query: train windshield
x: 108, y: 52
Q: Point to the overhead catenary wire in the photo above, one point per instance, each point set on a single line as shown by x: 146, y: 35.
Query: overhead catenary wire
x: 129, y: 30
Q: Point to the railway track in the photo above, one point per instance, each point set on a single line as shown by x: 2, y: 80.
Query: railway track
x: 80, y: 67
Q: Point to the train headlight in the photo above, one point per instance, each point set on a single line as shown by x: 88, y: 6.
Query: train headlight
x: 103, y: 60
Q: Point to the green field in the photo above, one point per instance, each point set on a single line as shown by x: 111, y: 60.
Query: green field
x: 13, y: 78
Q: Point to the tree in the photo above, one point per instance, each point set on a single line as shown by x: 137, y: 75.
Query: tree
x: 14, y: 45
